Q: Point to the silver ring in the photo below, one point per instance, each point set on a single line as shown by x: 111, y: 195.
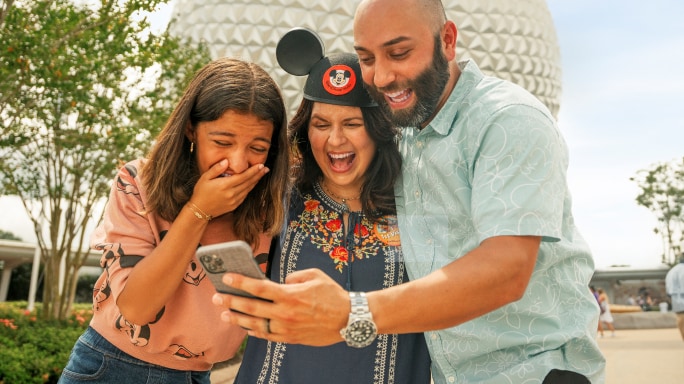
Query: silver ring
x: 268, y: 325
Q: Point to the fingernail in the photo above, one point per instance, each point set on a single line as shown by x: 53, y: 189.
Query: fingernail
x: 225, y: 316
x: 217, y: 299
x: 223, y: 162
x: 227, y: 279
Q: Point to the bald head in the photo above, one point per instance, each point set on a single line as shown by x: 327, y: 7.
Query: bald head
x: 407, y: 51
x: 430, y: 12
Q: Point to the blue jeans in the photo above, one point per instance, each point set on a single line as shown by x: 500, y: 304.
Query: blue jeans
x: 94, y: 359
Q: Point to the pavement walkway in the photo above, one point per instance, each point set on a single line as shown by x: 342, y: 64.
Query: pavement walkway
x: 633, y: 356
x: 224, y: 375
x: 644, y: 356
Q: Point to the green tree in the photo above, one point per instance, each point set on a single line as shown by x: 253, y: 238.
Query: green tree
x: 5, y: 235
x: 84, y: 86
x: 662, y: 192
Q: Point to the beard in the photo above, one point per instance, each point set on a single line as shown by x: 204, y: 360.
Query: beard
x: 427, y: 89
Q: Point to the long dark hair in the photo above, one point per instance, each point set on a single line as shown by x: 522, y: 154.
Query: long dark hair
x: 171, y: 171
x: 377, y: 193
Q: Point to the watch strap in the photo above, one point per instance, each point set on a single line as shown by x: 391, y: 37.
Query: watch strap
x: 359, y: 303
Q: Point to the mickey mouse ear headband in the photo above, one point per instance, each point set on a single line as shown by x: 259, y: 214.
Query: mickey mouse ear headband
x: 333, y: 79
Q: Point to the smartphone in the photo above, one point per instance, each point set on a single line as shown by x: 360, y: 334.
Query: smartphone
x: 232, y: 256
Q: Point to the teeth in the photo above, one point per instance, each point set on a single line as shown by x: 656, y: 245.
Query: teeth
x: 398, y: 97
x: 338, y: 156
x: 394, y: 94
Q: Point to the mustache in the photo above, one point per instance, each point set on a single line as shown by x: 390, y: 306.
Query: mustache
x: 391, y: 88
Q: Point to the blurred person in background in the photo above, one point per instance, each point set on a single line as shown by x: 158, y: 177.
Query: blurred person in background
x: 674, y: 285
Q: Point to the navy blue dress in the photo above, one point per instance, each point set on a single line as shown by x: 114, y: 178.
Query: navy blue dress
x: 368, y: 258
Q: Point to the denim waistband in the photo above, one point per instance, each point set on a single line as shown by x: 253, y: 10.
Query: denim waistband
x: 94, y: 340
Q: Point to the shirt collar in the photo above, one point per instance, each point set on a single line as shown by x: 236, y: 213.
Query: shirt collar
x: 470, y: 76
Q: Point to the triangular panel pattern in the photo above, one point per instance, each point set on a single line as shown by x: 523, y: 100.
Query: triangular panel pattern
x: 514, y: 40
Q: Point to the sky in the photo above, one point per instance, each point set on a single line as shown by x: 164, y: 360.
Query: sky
x: 621, y: 103
x: 622, y: 94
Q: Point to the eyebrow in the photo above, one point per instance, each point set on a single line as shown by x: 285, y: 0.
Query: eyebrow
x: 386, y: 44
x: 232, y: 135
x: 347, y: 119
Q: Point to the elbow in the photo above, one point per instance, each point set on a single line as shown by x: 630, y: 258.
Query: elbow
x: 517, y: 289
x: 135, y: 315
x: 514, y: 270
x: 511, y: 292
x: 137, y: 319
x: 523, y: 268
x: 517, y: 285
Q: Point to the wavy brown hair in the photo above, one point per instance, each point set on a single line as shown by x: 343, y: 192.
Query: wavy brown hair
x: 377, y: 193
x: 171, y: 172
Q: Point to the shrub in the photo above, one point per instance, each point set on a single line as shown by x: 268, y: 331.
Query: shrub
x: 36, y: 351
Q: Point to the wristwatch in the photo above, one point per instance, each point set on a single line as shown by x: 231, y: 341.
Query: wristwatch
x: 360, y: 330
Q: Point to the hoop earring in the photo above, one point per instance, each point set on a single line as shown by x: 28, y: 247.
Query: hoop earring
x: 192, y: 146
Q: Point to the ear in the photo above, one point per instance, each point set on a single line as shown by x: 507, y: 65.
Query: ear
x: 190, y: 132
x: 449, y: 37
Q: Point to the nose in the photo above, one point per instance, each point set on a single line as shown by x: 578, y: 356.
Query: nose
x: 337, y: 136
x: 237, y: 161
x: 383, y: 75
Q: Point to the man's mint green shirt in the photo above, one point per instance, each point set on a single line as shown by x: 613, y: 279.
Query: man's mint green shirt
x: 492, y: 162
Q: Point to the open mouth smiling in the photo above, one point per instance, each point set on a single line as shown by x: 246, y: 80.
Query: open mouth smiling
x: 341, y: 161
x: 400, y: 96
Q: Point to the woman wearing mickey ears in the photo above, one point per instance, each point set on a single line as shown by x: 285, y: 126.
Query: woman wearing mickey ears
x: 342, y: 221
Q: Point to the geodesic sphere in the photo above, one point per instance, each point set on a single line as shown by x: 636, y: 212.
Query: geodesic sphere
x: 514, y: 40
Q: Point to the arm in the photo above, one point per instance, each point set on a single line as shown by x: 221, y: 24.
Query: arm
x: 162, y: 270
x: 311, y: 309
x: 492, y: 275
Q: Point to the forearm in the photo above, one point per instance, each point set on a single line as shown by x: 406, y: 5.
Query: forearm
x: 162, y: 271
x: 494, y: 274
x: 311, y: 308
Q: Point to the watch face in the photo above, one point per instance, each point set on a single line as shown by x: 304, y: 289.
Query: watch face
x: 360, y: 333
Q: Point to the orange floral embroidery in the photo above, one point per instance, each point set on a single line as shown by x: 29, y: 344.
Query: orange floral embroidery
x: 311, y: 205
x: 340, y: 255
x: 325, y: 231
x: 361, y: 230
x: 334, y: 225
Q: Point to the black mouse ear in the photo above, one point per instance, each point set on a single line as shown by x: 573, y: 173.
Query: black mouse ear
x: 298, y: 50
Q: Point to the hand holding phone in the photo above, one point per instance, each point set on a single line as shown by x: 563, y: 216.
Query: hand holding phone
x: 232, y: 256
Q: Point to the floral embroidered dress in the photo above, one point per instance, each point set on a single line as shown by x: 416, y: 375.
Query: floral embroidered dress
x: 367, y: 258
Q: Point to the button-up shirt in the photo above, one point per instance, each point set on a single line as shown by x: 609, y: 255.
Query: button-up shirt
x: 492, y: 163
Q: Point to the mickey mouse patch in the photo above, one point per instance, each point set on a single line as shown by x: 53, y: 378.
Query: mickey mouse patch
x: 339, y: 80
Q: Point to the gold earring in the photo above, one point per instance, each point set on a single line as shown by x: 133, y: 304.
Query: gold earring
x: 192, y: 146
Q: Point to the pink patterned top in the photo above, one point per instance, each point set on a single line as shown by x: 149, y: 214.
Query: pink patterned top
x: 187, y: 333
